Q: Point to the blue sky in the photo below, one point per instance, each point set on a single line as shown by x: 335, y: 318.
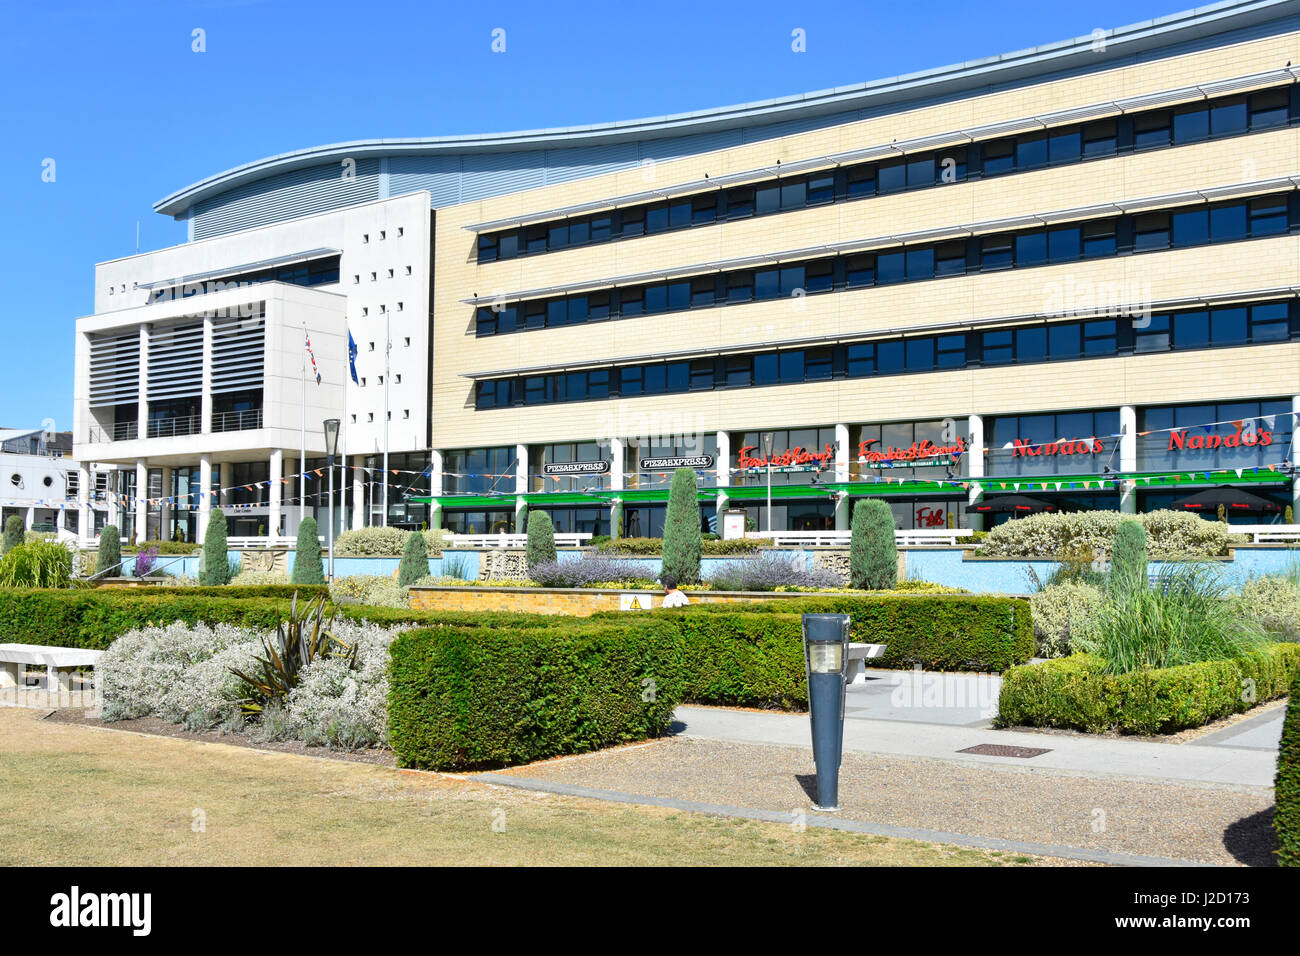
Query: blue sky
x: 114, y: 94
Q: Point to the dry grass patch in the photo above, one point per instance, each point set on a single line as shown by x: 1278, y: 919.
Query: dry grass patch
x: 78, y: 795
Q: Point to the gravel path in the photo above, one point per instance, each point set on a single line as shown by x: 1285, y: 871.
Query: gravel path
x: 1197, y: 823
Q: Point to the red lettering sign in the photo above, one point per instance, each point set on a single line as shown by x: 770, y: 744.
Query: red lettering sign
x: 919, y: 451
x: 928, y: 517
x: 1180, y: 439
x: 785, y: 459
x: 1062, y: 446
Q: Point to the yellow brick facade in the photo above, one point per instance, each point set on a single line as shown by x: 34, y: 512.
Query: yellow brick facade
x: 1220, y: 375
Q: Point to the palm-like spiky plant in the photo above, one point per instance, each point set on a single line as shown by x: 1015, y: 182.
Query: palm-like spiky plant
x: 299, y: 641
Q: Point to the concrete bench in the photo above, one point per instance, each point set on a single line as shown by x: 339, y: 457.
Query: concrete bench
x: 59, y: 664
x: 859, y: 654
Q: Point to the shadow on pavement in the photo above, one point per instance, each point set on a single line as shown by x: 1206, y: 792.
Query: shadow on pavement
x: 1251, y: 839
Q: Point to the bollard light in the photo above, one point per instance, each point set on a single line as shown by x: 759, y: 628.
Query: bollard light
x: 826, y: 645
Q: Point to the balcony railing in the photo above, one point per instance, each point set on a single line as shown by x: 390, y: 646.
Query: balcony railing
x: 237, y: 421
x: 119, y: 431
x: 172, y: 427
x: 180, y: 426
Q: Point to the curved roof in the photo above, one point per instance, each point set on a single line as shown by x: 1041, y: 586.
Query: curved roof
x: 1099, y: 50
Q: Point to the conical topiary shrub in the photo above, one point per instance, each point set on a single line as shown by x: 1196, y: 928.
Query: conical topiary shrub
x: 1128, y: 559
x: 873, y: 555
x: 214, y: 567
x: 682, y: 530
x: 307, y: 567
x: 415, y: 560
x: 14, y: 534
x: 541, y: 539
x: 110, y: 551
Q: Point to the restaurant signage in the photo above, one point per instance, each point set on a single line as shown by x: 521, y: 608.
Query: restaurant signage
x: 557, y: 468
x: 1240, y: 438
x: 797, y: 456
x: 1062, y: 446
x: 918, y: 452
x: 684, y: 461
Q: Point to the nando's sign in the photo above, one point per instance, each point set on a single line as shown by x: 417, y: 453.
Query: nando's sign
x: 1244, y: 437
x: 1051, y: 449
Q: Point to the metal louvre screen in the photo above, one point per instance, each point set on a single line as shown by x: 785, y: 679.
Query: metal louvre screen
x: 175, y: 361
x: 114, y: 370
x: 238, y: 353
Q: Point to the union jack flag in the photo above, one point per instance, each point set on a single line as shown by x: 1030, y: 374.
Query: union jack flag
x: 315, y: 370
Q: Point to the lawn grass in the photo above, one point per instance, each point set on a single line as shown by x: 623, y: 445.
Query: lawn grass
x: 77, y: 795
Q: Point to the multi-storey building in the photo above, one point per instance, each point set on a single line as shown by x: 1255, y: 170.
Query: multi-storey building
x: 1069, y: 272
x: 39, y: 483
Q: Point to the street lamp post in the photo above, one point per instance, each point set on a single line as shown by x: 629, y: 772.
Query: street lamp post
x: 331, y: 448
x: 370, y: 483
x: 769, y: 441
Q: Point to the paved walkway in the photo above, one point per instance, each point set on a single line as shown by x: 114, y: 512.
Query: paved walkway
x: 1215, y: 763
x: 1098, y: 799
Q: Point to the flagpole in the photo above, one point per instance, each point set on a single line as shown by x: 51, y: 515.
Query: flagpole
x: 302, y: 435
x: 388, y: 348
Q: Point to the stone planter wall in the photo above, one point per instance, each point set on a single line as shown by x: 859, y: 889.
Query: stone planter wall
x: 576, y: 602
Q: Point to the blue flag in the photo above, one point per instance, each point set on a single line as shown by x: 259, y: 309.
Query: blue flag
x: 352, y: 357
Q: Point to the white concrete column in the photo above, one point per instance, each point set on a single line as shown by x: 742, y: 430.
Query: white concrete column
x: 85, y: 517
x: 225, y: 472
x: 31, y: 517
x: 165, y: 510
x: 60, y: 517
x: 723, y: 464
x: 617, y: 480
x: 275, y: 502
x: 722, y: 468
x: 205, y: 496
x: 205, y: 400
x: 617, y: 455
x: 435, y: 473
x: 114, y: 515
x: 521, y: 469
x: 142, y: 407
x: 842, y: 450
x: 1128, y: 458
x: 975, y: 450
x: 360, y: 503
x: 141, y: 499
x: 1295, y: 459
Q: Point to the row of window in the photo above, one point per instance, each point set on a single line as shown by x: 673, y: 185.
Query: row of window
x: 1154, y: 129
x: 1144, y: 232
x: 1189, y: 329
x: 316, y: 272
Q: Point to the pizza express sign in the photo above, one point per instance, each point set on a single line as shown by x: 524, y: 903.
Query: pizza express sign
x: 558, y: 468
x: 685, y: 461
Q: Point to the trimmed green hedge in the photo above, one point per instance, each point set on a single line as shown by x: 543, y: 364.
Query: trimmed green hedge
x: 95, y: 618
x: 748, y: 660
x: 1286, y: 786
x: 944, y: 632
x: 462, y: 699
x: 1072, y: 692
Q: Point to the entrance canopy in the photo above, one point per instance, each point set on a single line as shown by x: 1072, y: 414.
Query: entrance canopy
x: 1012, y: 505
x: 1234, y: 501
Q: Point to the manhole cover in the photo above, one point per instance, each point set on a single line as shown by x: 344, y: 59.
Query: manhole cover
x: 1004, y: 750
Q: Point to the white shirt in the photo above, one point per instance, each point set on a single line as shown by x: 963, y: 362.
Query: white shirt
x: 675, y: 599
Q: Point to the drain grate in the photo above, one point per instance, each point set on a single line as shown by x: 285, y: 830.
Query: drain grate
x: 1004, y: 750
